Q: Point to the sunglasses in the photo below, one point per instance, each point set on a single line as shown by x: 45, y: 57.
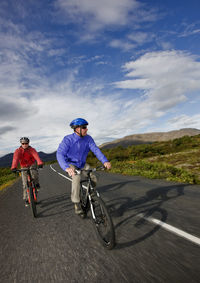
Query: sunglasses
x: 84, y: 127
x: 24, y: 143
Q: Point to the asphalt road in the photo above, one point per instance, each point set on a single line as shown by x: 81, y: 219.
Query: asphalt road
x: 58, y: 246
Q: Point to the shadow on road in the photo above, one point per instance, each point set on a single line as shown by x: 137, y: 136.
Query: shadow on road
x: 127, y: 210
x: 54, y: 206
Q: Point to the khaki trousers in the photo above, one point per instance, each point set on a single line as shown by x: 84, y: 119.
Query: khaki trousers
x: 75, y: 192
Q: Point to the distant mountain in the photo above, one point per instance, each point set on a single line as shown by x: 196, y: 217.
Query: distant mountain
x: 47, y: 156
x: 150, y: 138
x: 6, y: 160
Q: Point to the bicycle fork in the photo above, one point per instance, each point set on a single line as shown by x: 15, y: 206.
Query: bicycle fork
x: 91, y: 206
x: 30, y: 184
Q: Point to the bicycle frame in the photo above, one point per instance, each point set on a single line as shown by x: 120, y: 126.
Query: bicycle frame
x: 31, y: 190
x: 89, y: 189
x: 91, y: 199
x: 30, y: 183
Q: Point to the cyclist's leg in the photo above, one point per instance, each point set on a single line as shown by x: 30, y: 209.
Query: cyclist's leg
x: 24, y: 185
x: 75, y: 192
x: 34, y: 174
x: 93, y: 177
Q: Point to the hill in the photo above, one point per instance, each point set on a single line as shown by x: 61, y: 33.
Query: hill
x: 6, y: 160
x: 136, y: 139
x: 174, y: 160
x: 149, y: 138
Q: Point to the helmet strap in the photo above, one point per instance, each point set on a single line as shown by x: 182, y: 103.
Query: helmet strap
x: 80, y: 134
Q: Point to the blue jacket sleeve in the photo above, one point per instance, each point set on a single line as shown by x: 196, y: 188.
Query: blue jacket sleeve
x: 62, y: 154
x: 94, y: 148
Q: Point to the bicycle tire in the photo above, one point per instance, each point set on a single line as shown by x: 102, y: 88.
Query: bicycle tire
x: 32, y: 202
x: 84, y: 201
x: 35, y: 192
x: 102, y: 222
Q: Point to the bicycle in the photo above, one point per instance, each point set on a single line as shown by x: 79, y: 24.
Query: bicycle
x: 91, y: 200
x: 31, y: 189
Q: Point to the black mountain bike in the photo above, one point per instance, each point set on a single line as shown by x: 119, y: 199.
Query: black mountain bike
x: 31, y: 190
x: 91, y: 201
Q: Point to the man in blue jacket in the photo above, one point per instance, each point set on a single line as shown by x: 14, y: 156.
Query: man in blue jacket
x: 72, y: 153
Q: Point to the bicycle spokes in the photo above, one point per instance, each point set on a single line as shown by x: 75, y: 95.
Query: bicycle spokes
x: 103, y: 223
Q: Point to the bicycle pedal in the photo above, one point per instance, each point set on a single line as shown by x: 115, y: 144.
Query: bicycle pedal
x: 26, y: 203
x: 82, y: 215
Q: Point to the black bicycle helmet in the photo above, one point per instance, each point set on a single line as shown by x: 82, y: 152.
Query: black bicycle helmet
x: 24, y: 140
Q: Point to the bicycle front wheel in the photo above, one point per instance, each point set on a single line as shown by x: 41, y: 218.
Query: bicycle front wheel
x: 32, y: 202
x: 102, y: 222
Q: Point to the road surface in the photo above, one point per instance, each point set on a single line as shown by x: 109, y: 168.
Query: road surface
x: 156, y: 223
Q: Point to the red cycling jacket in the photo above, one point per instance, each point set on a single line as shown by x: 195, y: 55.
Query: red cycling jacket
x: 26, y: 157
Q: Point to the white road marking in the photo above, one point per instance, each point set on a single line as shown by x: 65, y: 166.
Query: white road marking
x: 164, y: 225
x: 171, y: 229
x: 63, y: 175
x: 60, y: 174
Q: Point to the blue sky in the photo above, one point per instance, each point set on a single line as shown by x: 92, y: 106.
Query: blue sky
x: 126, y: 66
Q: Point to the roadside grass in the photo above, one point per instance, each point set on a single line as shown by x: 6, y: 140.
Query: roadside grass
x: 154, y: 170
x: 7, y: 178
x: 188, y: 160
x: 175, y: 160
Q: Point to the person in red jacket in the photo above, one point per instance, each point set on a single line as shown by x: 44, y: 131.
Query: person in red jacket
x: 26, y: 156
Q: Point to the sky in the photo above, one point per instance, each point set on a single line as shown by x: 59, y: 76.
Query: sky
x: 126, y: 66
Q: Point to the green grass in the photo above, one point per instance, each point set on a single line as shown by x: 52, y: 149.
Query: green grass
x: 7, y: 177
x: 175, y: 160
x: 154, y: 170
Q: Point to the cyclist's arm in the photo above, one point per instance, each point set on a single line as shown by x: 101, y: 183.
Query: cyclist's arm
x: 15, y: 160
x: 94, y: 148
x: 36, y: 156
x: 61, y: 154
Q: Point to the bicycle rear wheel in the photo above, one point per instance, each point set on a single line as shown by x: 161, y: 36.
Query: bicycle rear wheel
x: 102, y: 222
x: 32, y: 202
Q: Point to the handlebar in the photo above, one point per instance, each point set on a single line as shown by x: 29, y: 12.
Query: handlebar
x: 79, y: 171
x: 26, y: 169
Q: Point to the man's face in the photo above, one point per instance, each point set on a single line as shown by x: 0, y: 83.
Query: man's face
x: 82, y: 131
x: 24, y: 145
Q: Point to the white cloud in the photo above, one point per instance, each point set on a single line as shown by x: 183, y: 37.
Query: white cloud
x: 190, y: 29
x: 51, y: 111
x: 121, y: 44
x: 141, y: 37
x: 160, y: 74
x: 97, y: 13
x: 166, y: 79
x: 39, y: 99
x: 185, y: 121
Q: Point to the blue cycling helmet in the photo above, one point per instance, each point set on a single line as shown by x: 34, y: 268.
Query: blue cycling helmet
x: 78, y: 122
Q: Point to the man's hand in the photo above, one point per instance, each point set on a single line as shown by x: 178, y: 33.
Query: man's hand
x: 107, y: 165
x: 70, y: 171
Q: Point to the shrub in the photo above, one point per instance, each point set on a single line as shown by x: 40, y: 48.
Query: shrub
x: 6, y: 175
